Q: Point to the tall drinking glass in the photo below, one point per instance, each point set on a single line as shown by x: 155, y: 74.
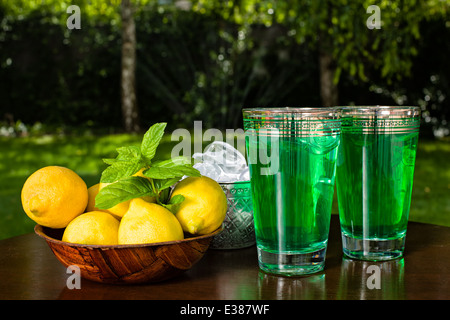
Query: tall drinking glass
x: 292, y: 162
x: 374, y: 179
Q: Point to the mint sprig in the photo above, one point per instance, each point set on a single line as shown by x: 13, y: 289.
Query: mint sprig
x: 123, y: 190
x: 161, y: 174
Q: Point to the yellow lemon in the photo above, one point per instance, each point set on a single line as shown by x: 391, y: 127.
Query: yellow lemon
x: 147, y: 222
x: 53, y: 196
x: 92, y: 193
x: 204, y: 207
x: 95, y: 227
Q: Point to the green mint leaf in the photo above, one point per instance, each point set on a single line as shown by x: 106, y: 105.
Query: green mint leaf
x: 120, y: 169
x: 123, y: 190
x: 172, y: 172
x: 128, y: 153
x: 151, y: 140
x: 127, y: 163
x: 109, y: 161
x: 178, y: 199
x: 174, y: 203
x: 161, y: 184
x: 176, y: 161
x: 164, y: 195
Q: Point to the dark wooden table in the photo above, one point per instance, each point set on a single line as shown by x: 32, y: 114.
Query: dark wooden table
x: 29, y: 270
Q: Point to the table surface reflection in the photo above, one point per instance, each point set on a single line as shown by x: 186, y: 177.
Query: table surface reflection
x: 29, y: 270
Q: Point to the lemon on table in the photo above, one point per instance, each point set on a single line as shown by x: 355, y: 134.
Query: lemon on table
x: 53, y: 196
x: 147, y: 222
x: 95, y: 227
x: 204, y: 207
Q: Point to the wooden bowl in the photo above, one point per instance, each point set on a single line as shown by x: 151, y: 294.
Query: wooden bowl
x: 128, y: 264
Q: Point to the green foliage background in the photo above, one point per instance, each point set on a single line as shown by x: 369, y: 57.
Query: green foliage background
x: 206, y: 62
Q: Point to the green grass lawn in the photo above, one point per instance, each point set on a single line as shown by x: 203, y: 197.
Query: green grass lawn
x: 20, y: 157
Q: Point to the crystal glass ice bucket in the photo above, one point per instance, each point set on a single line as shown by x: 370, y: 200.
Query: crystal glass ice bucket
x: 239, y: 231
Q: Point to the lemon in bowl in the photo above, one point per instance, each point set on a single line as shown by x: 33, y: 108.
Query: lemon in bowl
x: 146, y: 222
x: 53, y: 196
x: 95, y: 227
x: 204, y: 207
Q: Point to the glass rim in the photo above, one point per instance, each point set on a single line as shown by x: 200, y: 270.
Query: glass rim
x: 381, y: 110
x: 238, y: 182
x: 292, y: 122
x: 381, y: 119
x: 292, y: 111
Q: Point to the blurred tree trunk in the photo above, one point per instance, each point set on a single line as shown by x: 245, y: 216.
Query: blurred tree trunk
x: 328, y: 89
x: 128, y: 75
x: 327, y: 64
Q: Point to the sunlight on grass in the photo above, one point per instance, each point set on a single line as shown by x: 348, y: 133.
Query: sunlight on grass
x: 20, y: 157
x: 431, y: 191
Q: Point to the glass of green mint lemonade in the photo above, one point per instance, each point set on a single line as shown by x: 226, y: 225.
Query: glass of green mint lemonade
x: 292, y: 156
x: 374, y: 178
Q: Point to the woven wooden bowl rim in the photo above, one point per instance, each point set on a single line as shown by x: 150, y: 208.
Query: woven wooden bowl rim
x: 39, y: 230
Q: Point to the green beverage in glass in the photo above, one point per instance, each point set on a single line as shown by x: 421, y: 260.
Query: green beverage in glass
x: 374, y: 179
x: 292, y: 156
